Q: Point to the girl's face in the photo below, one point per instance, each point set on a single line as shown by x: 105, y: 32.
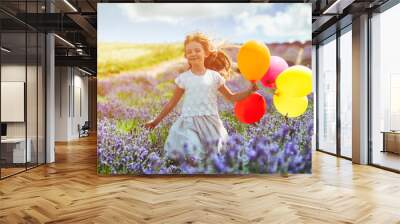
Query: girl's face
x: 195, y: 53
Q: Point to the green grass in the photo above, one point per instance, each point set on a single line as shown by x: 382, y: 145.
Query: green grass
x: 114, y: 58
x: 239, y: 126
x: 101, y: 99
x: 129, y: 126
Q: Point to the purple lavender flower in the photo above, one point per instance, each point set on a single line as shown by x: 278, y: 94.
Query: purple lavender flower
x: 296, y: 165
x: 274, y: 145
x: 251, y: 154
x: 291, y: 149
x: 218, y: 163
x: 310, y: 128
x: 274, y: 148
x: 273, y: 165
x: 134, y: 167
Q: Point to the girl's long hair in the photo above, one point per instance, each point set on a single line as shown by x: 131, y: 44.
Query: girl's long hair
x: 216, y: 60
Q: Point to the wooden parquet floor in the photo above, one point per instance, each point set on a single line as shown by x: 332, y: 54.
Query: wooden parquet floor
x: 69, y: 191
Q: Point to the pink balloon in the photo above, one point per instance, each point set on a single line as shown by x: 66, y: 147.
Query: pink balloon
x: 276, y: 66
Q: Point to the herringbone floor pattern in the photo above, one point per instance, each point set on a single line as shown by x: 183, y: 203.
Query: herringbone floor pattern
x: 70, y: 191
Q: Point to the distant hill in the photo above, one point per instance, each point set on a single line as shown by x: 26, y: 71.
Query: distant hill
x: 166, y: 60
x: 294, y: 52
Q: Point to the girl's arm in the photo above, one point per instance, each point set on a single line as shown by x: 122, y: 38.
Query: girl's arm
x: 234, y: 97
x: 167, y: 108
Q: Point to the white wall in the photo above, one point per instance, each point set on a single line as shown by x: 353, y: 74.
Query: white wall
x: 12, y: 73
x: 13, y: 101
x: 81, y: 82
x: 62, y: 81
x: 33, y: 126
x: 346, y: 94
x: 70, y: 83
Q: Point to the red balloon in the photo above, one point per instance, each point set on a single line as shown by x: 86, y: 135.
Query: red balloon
x: 251, y: 109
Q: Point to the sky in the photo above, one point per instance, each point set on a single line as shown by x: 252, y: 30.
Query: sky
x: 227, y: 22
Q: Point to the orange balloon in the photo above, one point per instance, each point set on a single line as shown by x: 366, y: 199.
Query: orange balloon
x: 253, y: 60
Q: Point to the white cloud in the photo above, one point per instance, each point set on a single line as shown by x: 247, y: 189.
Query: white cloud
x: 293, y: 23
x: 175, y: 13
x: 266, y: 21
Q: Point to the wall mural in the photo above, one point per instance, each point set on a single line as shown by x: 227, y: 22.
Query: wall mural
x: 204, y: 88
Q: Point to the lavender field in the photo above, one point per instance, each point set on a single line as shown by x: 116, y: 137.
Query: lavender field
x: 129, y: 99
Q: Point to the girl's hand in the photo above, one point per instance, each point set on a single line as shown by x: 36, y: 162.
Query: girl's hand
x: 151, y: 124
x: 254, y: 86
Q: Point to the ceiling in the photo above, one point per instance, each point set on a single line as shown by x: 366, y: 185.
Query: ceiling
x: 332, y: 15
x: 75, y: 23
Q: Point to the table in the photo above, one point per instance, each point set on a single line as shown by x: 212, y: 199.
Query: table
x: 391, y: 141
x: 13, y: 150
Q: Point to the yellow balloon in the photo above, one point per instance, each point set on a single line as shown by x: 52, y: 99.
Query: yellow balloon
x: 253, y: 60
x: 290, y: 106
x: 295, y: 81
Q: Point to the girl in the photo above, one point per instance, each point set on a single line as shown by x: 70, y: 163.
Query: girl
x: 199, y: 123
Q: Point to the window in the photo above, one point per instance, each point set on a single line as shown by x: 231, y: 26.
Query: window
x: 385, y: 89
x: 327, y: 96
x: 346, y: 93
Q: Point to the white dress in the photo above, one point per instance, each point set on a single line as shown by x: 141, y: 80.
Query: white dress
x: 199, y: 128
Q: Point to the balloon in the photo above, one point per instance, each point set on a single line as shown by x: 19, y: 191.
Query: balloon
x: 253, y: 60
x: 251, y: 109
x: 290, y: 106
x: 276, y: 66
x: 295, y: 81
